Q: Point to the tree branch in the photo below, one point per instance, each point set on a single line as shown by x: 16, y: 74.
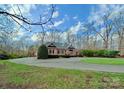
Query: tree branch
x: 21, y: 18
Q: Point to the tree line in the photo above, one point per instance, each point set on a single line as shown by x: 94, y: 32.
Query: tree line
x: 106, y: 31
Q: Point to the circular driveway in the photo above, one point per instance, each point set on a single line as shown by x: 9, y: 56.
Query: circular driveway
x: 68, y: 63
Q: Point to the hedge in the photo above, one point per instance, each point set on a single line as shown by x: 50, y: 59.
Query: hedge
x: 99, y: 53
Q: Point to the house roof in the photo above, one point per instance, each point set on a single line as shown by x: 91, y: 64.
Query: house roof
x: 51, y: 45
x: 59, y: 45
x: 71, y: 47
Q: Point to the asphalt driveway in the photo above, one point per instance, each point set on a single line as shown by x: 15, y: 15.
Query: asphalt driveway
x: 68, y: 63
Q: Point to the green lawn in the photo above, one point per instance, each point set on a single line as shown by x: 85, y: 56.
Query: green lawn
x: 22, y: 76
x: 110, y: 61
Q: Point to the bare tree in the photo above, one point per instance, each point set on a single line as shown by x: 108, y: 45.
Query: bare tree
x: 6, y: 32
x: 107, y: 28
x: 9, y: 22
x: 119, y: 27
x: 26, y: 20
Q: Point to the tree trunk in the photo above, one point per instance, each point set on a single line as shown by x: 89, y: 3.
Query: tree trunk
x: 106, y: 44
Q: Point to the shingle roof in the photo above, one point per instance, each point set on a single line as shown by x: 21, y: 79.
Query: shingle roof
x: 59, y: 45
x: 71, y: 47
x: 51, y: 45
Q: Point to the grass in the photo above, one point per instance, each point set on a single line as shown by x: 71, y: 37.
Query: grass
x: 109, y: 61
x: 22, y: 76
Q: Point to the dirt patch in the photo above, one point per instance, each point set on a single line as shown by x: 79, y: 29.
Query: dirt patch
x: 12, y: 86
x: 24, y: 74
x: 29, y: 85
x: 109, y: 83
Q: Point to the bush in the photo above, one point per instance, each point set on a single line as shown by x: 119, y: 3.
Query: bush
x: 42, y: 52
x: 99, y: 53
x: 111, y: 53
x: 88, y: 53
x: 13, y: 56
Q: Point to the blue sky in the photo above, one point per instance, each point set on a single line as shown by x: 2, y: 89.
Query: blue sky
x: 71, y: 14
x: 81, y: 11
x: 75, y: 13
x: 67, y: 17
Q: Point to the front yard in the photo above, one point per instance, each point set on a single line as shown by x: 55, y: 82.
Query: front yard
x: 22, y: 76
x: 109, y: 61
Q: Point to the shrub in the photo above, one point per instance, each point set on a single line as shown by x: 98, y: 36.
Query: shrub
x: 111, y: 53
x: 99, y: 53
x: 13, y: 56
x: 88, y: 53
x: 42, y: 52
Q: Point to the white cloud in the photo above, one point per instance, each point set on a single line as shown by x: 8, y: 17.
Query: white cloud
x: 116, y: 10
x: 15, y: 38
x: 34, y: 37
x: 57, y: 23
x: 95, y: 16
x: 66, y: 17
x: 18, y: 34
x: 55, y: 14
x: 103, y: 8
x: 75, y: 17
x: 97, y: 13
x: 76, y: 28
x: 25, y: 9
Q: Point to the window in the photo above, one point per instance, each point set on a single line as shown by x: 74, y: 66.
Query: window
x: 53, y: 51
x: 50, y: 51
x: 58, y: 51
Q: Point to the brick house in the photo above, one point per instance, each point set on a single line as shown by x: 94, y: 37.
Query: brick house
x: 58, y: 51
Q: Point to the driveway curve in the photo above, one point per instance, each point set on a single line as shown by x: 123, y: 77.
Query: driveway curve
x: 68, y: 63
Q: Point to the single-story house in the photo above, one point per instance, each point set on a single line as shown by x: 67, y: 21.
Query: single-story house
x: 59, y: 51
